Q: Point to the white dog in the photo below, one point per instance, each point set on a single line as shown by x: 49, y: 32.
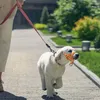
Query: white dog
x: 51, y: 68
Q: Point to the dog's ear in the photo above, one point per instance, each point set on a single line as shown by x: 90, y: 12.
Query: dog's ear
x: 58, y: 55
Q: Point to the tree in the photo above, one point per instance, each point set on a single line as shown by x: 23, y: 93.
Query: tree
x: 70, y: 11
x: 52, y: 23
x: 44, y: 15
x: 97, y: 42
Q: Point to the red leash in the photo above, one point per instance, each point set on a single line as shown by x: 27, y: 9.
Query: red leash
x: 9, y: 14
x: 27, y: 18
x: 19, y: 5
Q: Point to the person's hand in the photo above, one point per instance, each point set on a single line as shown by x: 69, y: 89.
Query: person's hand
x: 21, y: 1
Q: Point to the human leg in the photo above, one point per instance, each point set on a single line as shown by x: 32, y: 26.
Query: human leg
x: 5, y: 38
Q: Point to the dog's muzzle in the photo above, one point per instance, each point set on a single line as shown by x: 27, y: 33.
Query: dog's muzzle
x: 71, y: 57
x: 76, y: 56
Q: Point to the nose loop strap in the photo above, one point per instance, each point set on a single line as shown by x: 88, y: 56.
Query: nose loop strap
x: 70, y: 57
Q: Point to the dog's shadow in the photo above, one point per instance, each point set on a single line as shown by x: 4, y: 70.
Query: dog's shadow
x: 9, y: 96
x: 54, y: 98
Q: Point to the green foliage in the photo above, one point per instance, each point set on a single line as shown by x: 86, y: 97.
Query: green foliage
x: 40, y: 26
x: 52, y: 23
x: 70, y: 11
x: 87, y: 28
x: 44, y: 15
x: 97, y: 42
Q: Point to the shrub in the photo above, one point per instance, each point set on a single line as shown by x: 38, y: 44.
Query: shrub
x: 87, y: 28
x: 40, y: 26
x: 44, y: 15
x: 97, y: 42
x: 70, y: 11
x: 52, y: 23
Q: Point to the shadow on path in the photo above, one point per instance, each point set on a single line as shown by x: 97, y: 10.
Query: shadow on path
x: 54, y: 98
x: 8, y: 96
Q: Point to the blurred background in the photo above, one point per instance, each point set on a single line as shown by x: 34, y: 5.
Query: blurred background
x: 33, y: 8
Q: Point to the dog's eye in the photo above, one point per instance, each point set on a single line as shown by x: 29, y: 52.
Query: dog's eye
x: 70, y: 51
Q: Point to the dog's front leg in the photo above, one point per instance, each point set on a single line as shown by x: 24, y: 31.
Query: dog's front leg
x: 42, y: 78
x: 50, y: 89
x: 58, y: 83
x: 43, y: 84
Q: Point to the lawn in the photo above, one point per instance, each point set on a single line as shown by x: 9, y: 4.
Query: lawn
x: 46, y: 32
x: 61, y: 41
x: 91, y: 60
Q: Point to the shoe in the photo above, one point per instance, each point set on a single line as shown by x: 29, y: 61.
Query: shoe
x: 1, y: 87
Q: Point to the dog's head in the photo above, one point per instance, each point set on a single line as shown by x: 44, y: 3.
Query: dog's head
x: 66, y: 54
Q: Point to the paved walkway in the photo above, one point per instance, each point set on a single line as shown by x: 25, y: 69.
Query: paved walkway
x: 22, y: 81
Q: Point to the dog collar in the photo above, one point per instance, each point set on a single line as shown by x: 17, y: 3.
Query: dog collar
x: 58, y: 62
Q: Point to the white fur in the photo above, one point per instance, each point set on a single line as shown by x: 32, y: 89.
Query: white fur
x: 51, y: 69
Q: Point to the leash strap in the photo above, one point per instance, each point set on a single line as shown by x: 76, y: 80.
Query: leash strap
x: 30, y: 22
x: 8, y: 15
x: 18, y: 4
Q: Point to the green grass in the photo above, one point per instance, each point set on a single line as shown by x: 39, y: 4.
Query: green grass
x: 61, y: 41
x: 64, y: 32
x: 91, y: 60
x: 46, y: 32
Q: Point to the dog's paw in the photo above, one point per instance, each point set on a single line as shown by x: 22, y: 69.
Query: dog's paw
x: 55, y: 93
x: 54, y: 84
x: 57, y: 86
x: 44, y: 89
x: 50, y: 95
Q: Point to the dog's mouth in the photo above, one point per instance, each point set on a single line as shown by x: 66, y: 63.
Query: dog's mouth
x: 71, y: 57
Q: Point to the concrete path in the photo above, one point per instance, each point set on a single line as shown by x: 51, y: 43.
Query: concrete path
x: 22, y: 81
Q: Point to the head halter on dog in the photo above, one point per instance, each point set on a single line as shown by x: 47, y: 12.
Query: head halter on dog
x: 70, y: 57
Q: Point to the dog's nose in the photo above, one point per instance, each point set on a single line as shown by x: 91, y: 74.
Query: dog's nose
x: 76, y: 56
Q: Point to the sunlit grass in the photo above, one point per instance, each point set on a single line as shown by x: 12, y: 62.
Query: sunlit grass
x: 46, y: 32
x: 91, y: 60
x: 60, y: 41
